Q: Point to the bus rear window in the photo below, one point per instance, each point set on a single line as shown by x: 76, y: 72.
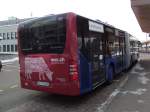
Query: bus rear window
x: 43, y: 35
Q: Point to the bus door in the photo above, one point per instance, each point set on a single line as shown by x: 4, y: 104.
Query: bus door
x: 116, y: 48
x: 122, y: 49
x: 90, y: 46
x: 97, y: 65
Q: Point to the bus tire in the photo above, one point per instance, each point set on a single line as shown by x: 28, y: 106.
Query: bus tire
x: 110, y: 74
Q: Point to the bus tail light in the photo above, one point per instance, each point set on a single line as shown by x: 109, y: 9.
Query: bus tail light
x: 73, y: 71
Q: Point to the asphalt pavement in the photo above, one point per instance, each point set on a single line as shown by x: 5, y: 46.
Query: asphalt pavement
x: 134, y: 96
x: 11, y: 95
x: 15, y: 99
x: 129, y: 92
x: 9, y: 76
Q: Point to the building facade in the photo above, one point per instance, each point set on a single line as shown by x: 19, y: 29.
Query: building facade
x: 8, y: 44
x: 8, y: 33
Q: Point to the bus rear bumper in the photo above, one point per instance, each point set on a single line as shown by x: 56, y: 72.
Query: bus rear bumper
x: 70, y: 88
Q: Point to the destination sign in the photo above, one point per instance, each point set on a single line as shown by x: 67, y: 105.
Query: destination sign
x: 93, y: 26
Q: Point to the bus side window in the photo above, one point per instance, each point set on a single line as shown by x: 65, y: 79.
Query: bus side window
x: 83, y: 37
x: 84, y: 46
x: 111, y: 44
x: 87, y: 48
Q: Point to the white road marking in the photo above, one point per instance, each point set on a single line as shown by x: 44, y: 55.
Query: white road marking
x: 10, y: 60
x: 140, y: 101
x: 108, y: 101
x: 7, y: 70
x: 131, y: 111
x: 138, y: 67
x: 1, y: 90
x: 14, y: 86
x: 143, y: 73
x: 10, y: 65
x: 139, y: 91
x: 143, y: 80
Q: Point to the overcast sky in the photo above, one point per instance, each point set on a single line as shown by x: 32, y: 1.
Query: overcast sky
x: 115, y: 12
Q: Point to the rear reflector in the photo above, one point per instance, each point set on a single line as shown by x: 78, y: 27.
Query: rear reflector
x: 73, y: 71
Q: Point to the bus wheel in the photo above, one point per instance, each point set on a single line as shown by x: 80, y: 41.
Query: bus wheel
x: 110, y: 75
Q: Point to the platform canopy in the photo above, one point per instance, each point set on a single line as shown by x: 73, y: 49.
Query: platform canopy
x: 141, y: 9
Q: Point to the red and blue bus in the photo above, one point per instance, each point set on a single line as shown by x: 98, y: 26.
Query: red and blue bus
x: 134, y: 49
x: 69, y: 54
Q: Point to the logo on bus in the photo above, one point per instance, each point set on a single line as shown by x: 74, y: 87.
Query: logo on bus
x: 57, y: 60
x: 37, y: 65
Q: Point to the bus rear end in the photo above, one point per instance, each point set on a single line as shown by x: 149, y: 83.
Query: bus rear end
x: 48, y: 54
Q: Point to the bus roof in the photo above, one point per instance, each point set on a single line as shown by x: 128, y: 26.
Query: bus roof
x: 28, y: 22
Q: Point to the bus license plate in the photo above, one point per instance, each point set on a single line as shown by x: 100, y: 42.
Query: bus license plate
x: 39, y: 83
